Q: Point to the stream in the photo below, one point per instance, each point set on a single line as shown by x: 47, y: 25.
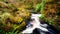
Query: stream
x: 36, y: 27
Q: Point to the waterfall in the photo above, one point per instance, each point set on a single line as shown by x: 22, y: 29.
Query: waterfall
x: 35, y: 24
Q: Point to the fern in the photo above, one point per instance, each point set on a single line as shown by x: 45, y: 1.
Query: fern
x: 40, y: 6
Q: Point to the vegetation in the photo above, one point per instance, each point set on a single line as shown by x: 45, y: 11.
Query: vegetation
x: 15, y: 13
x: 50, y: 13
x: 12, y: 18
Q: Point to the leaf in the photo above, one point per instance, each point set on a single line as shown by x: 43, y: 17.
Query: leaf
x: 40, y: 6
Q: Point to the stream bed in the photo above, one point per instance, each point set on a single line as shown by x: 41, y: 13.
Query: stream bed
x: 36, y: 27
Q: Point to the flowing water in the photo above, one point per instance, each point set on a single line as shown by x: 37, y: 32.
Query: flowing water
x: 35, y: 23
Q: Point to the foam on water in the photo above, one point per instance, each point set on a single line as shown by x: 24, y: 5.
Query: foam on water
x: 37, y: 24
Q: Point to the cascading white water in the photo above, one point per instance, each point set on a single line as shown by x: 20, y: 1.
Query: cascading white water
x: 35, y: 24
